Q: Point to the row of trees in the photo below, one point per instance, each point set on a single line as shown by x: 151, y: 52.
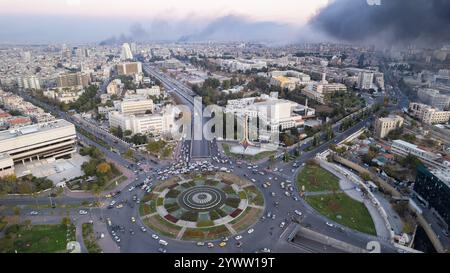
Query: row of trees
x: 24, y: 185
x: 97, y: 167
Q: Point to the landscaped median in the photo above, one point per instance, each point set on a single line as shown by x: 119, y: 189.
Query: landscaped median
x: 322, y: 192
x: 202, y: 206
x: 89, y: 239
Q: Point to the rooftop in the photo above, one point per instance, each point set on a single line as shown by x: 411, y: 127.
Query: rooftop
x: 35, y: 128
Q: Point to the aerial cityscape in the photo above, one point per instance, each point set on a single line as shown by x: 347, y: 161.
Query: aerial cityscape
x: 307, y: 126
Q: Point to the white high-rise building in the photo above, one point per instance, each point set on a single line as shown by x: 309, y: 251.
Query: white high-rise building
x: 365, y: 80
x: 434, y: 98
x: 126, y: 52
x: 30, y: 82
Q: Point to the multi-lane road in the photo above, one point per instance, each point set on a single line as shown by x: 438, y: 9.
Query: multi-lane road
x: 200, y: 145
x: 267, y: 232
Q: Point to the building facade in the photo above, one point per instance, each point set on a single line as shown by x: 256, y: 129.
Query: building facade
x: 50, y: 140
x: 385, y: 125
x: 433, y: 189
x: 428, y: 114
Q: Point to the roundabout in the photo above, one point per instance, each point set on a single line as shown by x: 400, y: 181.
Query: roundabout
x: 202, y: 206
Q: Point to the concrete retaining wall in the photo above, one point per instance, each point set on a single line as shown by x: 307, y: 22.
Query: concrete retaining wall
x: 383, y: 184
x: 329, y: 241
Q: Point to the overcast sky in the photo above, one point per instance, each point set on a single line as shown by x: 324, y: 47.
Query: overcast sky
x: 283, y: 11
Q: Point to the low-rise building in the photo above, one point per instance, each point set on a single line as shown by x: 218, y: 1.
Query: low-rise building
x: 404, y: 148
x: 156, y: 124
x: 50, y: 140
x: 115, y: 87
x: 428, y: 114
x: 134, y: 106
x: 385, y: 125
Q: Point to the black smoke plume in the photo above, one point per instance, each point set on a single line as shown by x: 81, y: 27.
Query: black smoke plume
x: 391, y: 22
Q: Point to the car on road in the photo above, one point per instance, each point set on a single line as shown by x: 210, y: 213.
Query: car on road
x: 273, y: 194
x: 299, y: 213
x: 287, y: 193
x: 282, y: 224
x: 133, y: 220
x: 265, y: 250
x: 329, y: 224
x: 162, y: 242
x: 154, y: 236
x: 119, y: 206
x: 239, y: 244
x: 250, y: 231
x: 131, y: 188
x: 223, y: 244
x: 210, y: 245
x: 162, y: 250
x: 238, y: 237
x: 131, y: 232
x: 34, y: 212
x: 83, y: 212
x: 143, y: 229
x: 200, y: 243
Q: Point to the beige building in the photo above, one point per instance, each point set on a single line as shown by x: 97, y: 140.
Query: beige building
x: 73, y: 80
x: 285, y: 82
x: 385, y: 125
x: 115, y: 87
x: 129, y: 68
x: 428, y: 114
x: 64, y: 95
x: 6, y: 165
x: 134, y: 106
x: 50, y: 140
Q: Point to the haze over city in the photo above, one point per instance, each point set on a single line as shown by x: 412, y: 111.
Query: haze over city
x: 229, y: 127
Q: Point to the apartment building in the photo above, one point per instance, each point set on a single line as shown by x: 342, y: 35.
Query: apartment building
x: 428, y: 114
x: 78, y: 79
x: 385, y: 125
x: 129, y: 68
x: 434, y: 98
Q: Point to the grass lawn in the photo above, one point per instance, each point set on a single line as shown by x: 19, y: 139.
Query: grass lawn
x: 38, y: 239
x: 314, y: 178
x: 353, y: 214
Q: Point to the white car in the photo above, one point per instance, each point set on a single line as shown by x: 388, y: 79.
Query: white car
x: 250, y: 231
x: 34, y: 212
x: 154, y: 236
x: 238, y: 237
x: 299, y: 213
x: 131, y: 188
x: 282, y: 224
x: 133, y: 220
x: 329, y: 224
x: 162, y: 242
x: 83, y: 212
